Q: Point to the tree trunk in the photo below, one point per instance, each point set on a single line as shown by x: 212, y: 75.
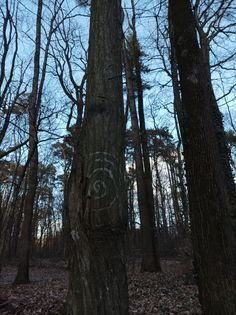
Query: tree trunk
x: 219, y: 129
x: 98, y: 216
x: 25, y: 242
x: 150, y: 250
x: 179, y: 117
x: 212, y: 229
x: 147, y: 173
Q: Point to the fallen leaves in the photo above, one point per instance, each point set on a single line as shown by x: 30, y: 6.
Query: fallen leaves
x: 44, y: 295
x: 169, y: 292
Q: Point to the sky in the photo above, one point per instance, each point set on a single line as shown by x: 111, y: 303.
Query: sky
x: 158, y: 100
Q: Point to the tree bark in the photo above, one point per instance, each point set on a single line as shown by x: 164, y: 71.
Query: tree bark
x: 179, y: 117
x: 212, y: 229
x: 219, y: 128
x: 150, y: 250
x: 98, y: 216
x: 25, y: 242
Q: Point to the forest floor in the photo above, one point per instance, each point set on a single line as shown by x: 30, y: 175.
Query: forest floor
x: 172, y: 291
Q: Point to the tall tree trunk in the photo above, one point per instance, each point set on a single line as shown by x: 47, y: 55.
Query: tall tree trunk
x: 136, y: 54
x: 97, y: 277
x: 25, y: 242
x: 219, y: 128
x: 179, y: 117
x: 209, y: 200
x: 150, y: 249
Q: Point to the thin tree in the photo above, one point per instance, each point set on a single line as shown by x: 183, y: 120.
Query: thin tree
x: 34, y: 106
x: 133, y: 65
x: 23, y: 267
x: 150, y: 250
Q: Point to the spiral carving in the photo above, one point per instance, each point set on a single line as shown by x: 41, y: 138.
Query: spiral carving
x: 102, y: 175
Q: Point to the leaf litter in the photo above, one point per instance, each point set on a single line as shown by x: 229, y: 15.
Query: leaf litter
x: 171, y: 292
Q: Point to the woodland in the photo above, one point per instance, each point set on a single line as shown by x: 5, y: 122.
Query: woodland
x: 118, y: 157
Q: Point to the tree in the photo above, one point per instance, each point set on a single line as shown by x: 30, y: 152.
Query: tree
x: 65, y: 152
x: 97, y: 207
x: 68, y: 58
x: 220, y: 11
x: 12, y: 174
x: 23, y: 267
x: 133, y: 64
x: 150, y: 251
x: 34, y: 117
x: 209, y: 198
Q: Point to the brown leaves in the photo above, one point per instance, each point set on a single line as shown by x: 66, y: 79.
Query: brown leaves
x: 169, y: 292
x: 44, y: 295
x: 163, y: 293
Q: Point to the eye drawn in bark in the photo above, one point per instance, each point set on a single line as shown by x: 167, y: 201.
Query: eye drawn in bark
x: 102, y: 175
